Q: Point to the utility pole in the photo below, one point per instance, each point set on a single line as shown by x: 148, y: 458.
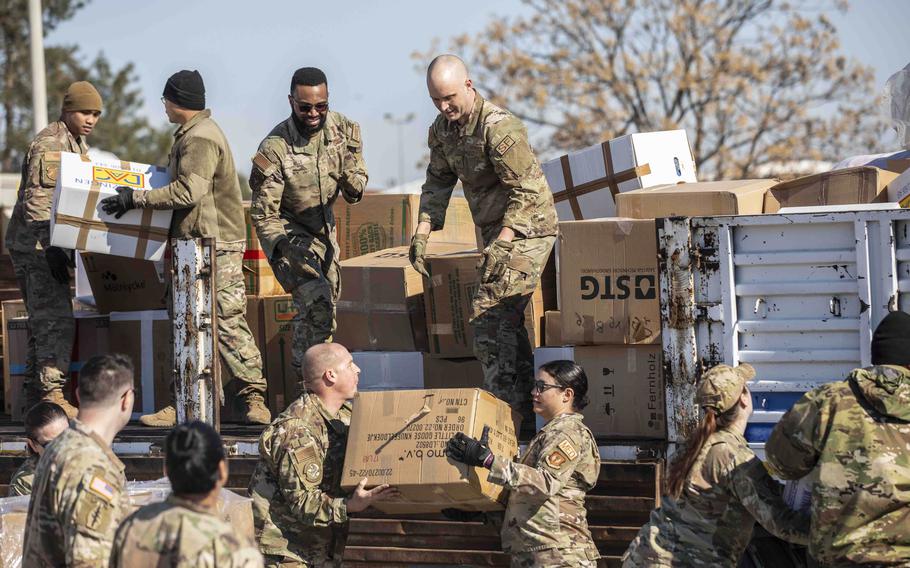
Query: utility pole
x: 400, y: 123
x: 39, y: 81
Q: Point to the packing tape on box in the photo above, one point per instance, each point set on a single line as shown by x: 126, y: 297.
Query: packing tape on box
x: 611, y: 180
x: 365, y: 306
x: 142, y: 234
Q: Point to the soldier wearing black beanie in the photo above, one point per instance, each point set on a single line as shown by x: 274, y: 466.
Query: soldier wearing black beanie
x: 891, y: 340
x: 185, y: 88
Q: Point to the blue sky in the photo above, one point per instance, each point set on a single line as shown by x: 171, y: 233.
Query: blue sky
x: 247, y: 51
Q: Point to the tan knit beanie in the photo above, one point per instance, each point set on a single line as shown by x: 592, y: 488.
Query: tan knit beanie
x: 81, y: 95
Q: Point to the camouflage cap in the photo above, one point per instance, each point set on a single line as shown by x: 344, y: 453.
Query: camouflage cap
x: 721, y: 386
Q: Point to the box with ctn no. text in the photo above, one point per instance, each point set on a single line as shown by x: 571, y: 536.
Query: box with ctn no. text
x: 399, y: 438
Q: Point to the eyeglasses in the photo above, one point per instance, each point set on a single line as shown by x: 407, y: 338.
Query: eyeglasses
x: 321, y: 108
x: 542, y: 387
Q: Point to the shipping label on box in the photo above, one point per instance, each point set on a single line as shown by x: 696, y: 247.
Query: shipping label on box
x: 147, y: 337
x: 77, y: 221
x: 839, y: 187
x: 399, y: 438
x: 386, y: 220
x: 739, y: 197
x: 608, y: 282
x: 121, y: 284
x: 585, y: 182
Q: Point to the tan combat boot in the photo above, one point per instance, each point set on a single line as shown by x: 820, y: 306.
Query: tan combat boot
x: 164, y: 418
x: 56, y: 396
x: 256, y: 411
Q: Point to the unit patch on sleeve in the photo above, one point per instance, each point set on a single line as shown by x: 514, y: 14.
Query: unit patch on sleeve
x: 504, y: 146
x: 568, y: 449
x: 556, y: 459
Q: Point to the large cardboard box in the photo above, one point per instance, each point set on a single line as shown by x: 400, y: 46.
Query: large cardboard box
x: 271, y: 320
x: 386, y: 220
x: 461, y: 373
x: 77, y: 221
x: 553, y: 328
x: 121, y: 284
x: 608, y: 282
x: 740, y: 197
x: 585, y: 182
x: 147, y: 338
x: 399, y: 438
x: 389, y: 370
x: 258, y: 277
x: 839, y: 187
x: 448, y: 297
x: 625, y: 388
x: 381, y: 306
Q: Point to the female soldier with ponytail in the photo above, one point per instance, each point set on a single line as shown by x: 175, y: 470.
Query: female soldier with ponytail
x: 545, y: 522
x: 716, y: 487
x: 184, y: 530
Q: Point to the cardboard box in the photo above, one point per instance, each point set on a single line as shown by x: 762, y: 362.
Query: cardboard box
x: 741, y: 197
x: 271, y: 319
x: 448, y: 298
x: 121, y: 284
x: 553, y: 328
x: 258, y: 277
x: 461, y: 373
x: 399, y: 437
x: 625, y: 389
x: 585, y: 182
x: 839, y: 187
x: 147, y: 338
x: 381, y: 306
x: 77, y: 221
x: 386, y: 220
x: 608, y: 282
x: 899, y: 190
x: 384, y: 370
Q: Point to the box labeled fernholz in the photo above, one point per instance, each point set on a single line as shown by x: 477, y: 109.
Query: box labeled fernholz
x: 77, y: 221
x: 399, y: 438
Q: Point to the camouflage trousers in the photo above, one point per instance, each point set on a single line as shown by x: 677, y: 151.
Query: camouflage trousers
x: 501, y: 340
x: 240, y: 358
x: 51, y: 326
x: 314, y: 298
x: 555, y: 558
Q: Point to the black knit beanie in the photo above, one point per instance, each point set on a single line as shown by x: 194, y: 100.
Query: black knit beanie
x: 185, y: 88
x: 891, y: 340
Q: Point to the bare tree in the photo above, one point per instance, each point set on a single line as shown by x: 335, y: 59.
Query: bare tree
x: 753, y: 82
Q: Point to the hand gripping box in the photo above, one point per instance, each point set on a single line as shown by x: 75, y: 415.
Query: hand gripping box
x: 399, y: 438
x: 77, y: 221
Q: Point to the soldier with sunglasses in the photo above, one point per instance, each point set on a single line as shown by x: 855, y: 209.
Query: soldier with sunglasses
x: 299, y: 171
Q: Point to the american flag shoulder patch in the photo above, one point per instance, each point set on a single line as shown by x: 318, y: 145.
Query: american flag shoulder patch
x: 99, y: 486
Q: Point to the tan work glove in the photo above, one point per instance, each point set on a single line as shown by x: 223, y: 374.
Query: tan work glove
x: 495, y: 261
x: 418, y: 252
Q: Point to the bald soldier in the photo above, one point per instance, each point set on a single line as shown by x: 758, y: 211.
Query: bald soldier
x: 42, y: 271
x: 487, y: 148
x: 299, y: 509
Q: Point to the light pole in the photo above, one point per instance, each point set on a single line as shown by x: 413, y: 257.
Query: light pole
x: 36, y: 47
x: 400, y: 122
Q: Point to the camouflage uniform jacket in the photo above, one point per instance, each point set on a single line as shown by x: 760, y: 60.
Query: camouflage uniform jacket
x: 299, y: 508
x: 547, y: 487
x: 852, y: 438
x: 181, y: 534
x: 21, y: 481
x: 29, y: 225
x: 294, y: 182
x: 78, y: 500
x: 710, y: 524
x: 501, y: 176
x: 204, y: 191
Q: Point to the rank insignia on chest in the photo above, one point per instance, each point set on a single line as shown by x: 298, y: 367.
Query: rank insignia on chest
x: 556, y: 458
x: 504, y: 146
x: 312, y: 471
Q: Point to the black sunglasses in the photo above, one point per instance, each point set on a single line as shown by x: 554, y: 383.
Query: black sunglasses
x: 307, y: 107
x: 542, y: 387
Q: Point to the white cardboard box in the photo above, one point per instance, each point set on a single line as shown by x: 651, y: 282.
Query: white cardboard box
x: 634, y: 161
x: 389, y: 370
x: 77, y: 221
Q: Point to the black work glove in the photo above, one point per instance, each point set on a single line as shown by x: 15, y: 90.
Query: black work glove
x: 465, y: 449
x: 296, y: 258
x: 418, y: 252
x: 118, y: 205
x: 59, y: 262
x: 463, y: 516
x: 495, y: 261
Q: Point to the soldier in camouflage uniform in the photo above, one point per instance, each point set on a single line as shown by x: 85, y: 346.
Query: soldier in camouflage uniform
x: 184, y: 530
x: 205, y: 196
x: 42, y: 271
x: 298, y: 173
x: 717, y: 488
x: 545, y: 521
x: 852, y: 439
x: 43, y: 423
x: 487, y: 148
x: 299, y: 509
x: 78, y: 498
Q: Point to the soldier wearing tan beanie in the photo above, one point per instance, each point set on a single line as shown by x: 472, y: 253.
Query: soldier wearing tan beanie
x: 42, y: 271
